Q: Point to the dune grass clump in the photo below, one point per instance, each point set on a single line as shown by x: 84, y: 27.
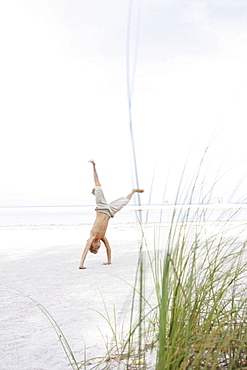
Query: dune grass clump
x: 203, y: 306
x: 196, y: 316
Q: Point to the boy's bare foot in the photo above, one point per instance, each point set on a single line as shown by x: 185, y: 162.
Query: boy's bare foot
x: 92, y: 161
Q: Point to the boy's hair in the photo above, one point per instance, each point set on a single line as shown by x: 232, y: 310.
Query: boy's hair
x: 95, y: 251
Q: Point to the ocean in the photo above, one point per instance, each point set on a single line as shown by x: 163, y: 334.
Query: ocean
x: 68, y: 216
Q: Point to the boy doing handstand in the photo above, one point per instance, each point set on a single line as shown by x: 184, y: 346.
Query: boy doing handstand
x: 104, y: 211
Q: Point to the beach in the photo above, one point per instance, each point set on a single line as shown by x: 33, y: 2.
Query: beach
x: 39, y: 270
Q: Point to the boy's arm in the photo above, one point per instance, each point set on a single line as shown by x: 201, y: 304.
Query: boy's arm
x: 108, y: 251
x: 86, y: 249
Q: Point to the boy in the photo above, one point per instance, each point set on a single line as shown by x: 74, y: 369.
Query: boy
x: 104, y: 212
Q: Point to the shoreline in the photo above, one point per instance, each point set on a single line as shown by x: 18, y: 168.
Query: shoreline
x: 67, y: 217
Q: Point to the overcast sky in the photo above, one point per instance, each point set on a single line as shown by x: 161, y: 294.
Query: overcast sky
x: 64, y: 99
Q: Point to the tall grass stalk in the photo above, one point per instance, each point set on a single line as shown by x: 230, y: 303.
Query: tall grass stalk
x: 62, y: 338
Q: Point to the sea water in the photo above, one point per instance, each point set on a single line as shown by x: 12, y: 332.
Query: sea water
x: 65, y: 216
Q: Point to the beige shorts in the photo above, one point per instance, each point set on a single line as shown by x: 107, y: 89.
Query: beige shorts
x: 109, y: 208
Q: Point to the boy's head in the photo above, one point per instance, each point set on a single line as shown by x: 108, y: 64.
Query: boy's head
x: 95, y: 246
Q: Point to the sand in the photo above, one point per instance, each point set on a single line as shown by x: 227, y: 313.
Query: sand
x: 42, y: 264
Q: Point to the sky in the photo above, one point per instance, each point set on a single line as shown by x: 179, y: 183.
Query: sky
x: 65, y: 70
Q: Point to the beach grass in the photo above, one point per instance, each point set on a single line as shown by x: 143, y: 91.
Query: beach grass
x: 202, y: 310
x: 198, y: 317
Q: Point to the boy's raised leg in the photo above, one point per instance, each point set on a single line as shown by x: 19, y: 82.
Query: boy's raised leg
x: 133, y: 192
x: 95, y: 174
